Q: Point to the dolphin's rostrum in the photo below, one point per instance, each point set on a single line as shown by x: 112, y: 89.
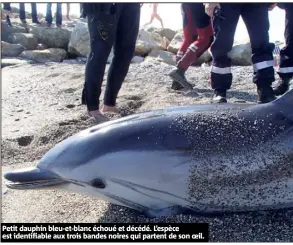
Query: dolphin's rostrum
x: 203, y: 158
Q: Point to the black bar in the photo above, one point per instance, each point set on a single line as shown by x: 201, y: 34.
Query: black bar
x: 110, y: 232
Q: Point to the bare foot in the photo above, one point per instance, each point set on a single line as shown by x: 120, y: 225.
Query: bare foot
x: 112, y: 109
x: 98, y: 116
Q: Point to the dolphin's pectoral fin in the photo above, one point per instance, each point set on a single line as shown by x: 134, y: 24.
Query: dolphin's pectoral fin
x: 31, y: 178
x: 166, y: 212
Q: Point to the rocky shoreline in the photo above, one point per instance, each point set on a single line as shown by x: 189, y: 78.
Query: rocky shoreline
x: 40, y: 44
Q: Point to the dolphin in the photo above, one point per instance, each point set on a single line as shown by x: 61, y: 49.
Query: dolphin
x: 201, y: 158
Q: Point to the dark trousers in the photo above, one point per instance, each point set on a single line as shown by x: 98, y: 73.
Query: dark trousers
x: 82, y: 15
x: 286, y: 54
x: 7, y: 6
x: 255, y: 17
x: 105, y: 30
x: 49, y: 17
x: 34, y: 12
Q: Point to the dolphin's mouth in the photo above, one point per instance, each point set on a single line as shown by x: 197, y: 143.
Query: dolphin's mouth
x: 32, y: 178
x: 33, y: 185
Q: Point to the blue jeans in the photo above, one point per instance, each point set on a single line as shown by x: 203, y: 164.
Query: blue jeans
x: 49, y: 17
x: 34, y: 12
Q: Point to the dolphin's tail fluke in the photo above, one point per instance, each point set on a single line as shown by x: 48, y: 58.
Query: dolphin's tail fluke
x: 31, y: 178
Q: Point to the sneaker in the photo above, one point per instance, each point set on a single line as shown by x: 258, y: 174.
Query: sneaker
x: 178, y: 76
x: 265, y: 95
x: 281, y: 87
x: 219, y: 97
x: 23, y: 21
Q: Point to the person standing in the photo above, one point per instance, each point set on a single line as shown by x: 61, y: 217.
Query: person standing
x: 49, y: 18
x: 68, y: 11
x: 198, y: 37
x: 7, y: 10
x: 108, y: 24
x: 256, y: 19
x: 285, y: 71
x: 82, y: 14
x: 155, y: 15
x: 34, y: 13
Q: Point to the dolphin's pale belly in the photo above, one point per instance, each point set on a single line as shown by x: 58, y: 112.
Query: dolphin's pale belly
x: 141, y: 180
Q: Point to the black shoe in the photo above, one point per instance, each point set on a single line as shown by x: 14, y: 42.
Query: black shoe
x: 178, y: 77
x: 265, y: 95
x: 281, y: 87
x: 37, y: 22
x: 8, y: 21
x: 176, y: 86
x: 23, y: 21
x: 219, y: 97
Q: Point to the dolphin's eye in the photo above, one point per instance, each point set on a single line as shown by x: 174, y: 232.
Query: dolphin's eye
x: 98, y: 183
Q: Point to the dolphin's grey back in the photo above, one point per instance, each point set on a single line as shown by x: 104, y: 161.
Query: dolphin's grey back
x: 285, y: 104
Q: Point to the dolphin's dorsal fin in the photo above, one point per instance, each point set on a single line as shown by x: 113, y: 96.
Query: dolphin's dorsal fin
x: 285, y: 104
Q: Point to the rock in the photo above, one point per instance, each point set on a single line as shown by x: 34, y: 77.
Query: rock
x: 7, y: 30
x: 79, y: 40
x: 241, y: 54
x: 43, y: 56
x: 165, y: 43
x: 145, y: 43
x: 52, y: 37
x: 11, y: 50
x: 157, y: 38
x: 41, y: 46
x: 163, y: 56
x: 27, y: 40
x: 13, y: 62
x: 176, y: 43
x: 137, y: 59
x: 166, y: 32
x: 204, y: 58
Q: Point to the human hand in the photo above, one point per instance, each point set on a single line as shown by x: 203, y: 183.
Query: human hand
x: 210, y: 8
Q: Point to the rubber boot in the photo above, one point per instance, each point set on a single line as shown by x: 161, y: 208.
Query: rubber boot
x: 265, y: 94
x: 281, y: 87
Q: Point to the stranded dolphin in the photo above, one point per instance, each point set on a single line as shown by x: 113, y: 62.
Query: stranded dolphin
x: 203, y: 158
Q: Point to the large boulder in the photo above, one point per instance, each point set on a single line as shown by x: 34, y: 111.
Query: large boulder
x: 166, y: 32
x: 11, y: 50
x: 163, y: 56
x: 7, y: 30
x: 13, y: 62
x: 241, y: 54
x: 79, y: 41
x: 145, y: 43
x: 204, y: 58
x: 27, y: 40
x: 41, y: 46
x: 52, y: 37
x: 44, y: 56
x: 176, y: 43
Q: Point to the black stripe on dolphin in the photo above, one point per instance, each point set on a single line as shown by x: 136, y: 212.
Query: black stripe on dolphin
x: 203, y: 158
